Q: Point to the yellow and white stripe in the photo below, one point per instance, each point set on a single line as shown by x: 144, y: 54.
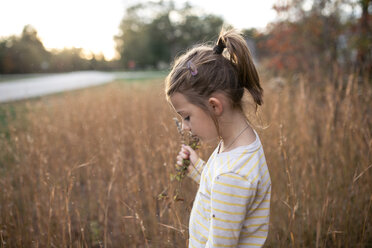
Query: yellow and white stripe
x: 233, y: 202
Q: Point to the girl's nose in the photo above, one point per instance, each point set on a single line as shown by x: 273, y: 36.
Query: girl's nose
x: 185, y: 127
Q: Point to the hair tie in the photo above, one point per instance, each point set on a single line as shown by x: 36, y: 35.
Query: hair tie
x: 192, y: 68
x: 218, y: 48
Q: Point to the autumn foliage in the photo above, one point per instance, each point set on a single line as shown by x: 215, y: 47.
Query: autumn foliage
x: 317, y: 39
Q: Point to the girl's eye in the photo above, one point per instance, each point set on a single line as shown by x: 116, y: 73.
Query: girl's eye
x: 187, y: 118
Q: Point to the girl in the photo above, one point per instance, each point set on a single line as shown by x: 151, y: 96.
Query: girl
x: 205, y: 87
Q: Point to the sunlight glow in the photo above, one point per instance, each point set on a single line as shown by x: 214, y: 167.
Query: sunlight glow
x: 92, y: 24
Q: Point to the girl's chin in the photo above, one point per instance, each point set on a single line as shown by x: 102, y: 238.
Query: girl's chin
x: 209, y: 140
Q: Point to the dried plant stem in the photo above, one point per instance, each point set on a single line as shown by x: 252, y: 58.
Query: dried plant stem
x: 182, y: 231
x: 181, y: 170
x: 107, y: 204
x: 365, y: 221
x: 67, y: 202
x: 137, y: 217
x: 50, y: 214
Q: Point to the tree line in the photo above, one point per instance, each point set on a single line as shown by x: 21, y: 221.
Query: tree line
x: 26, y: 54
x: 328, y: 35
x: 308, y: 36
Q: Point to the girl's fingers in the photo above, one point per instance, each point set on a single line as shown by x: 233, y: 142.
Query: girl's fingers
x: 191, y: 154
x: 184, y: 150
x: 181, y: 158
x: 184, y: 154
x: 181, y: 152
x: 187, y: 148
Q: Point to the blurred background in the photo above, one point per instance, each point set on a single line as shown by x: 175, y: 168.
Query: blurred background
x: 43, y: 36
x: 85, y: 167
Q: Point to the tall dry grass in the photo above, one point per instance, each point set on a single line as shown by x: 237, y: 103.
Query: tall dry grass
x: 84, y: 169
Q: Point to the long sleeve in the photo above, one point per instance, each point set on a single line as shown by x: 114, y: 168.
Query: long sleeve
x: 231, y: 196
x: 196, y: 170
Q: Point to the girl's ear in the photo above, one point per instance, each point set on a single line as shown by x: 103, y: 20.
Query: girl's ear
x: 215, y: 105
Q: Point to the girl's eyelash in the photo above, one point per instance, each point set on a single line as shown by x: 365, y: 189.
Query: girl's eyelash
x: 187, y: 118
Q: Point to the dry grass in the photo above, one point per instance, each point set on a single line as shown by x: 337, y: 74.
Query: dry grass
x: 84, y: 169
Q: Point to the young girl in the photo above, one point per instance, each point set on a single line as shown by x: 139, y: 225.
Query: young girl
x: 205, y: 87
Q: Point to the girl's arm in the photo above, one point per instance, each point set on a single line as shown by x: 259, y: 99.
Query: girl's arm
x: 194, y: 171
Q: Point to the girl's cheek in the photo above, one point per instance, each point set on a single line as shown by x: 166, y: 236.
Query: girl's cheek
x: 189, y: 123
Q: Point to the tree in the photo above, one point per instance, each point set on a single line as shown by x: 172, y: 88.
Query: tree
x: 316, y: 37
x: 363, y: 42
x: 23, y: 54
x: 153, y: 33
x: 26, y: 54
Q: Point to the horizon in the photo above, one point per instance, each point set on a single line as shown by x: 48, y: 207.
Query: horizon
x: 59, y: 32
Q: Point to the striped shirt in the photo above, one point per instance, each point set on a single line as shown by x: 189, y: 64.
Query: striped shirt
x: 232, y: 205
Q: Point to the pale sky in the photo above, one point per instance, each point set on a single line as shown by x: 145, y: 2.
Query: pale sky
x: 91, y: 24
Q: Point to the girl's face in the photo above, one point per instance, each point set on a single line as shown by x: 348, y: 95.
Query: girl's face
x: 194, y: 119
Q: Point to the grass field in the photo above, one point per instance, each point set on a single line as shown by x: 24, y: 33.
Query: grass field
x: 84, y: 168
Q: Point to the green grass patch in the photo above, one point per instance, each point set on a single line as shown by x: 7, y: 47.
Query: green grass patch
x: 15, y: 77
x: 13, y: 119
x: 120, y: 75
x: 138, y: 76
x: 12, y: 115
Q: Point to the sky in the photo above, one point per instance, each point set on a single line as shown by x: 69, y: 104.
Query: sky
x: 92, y: 24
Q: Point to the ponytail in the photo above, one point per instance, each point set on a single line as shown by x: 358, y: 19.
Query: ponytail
x: 227, y: 67
x: 240, y: 56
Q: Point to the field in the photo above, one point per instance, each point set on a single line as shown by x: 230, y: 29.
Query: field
x: 84, y: 168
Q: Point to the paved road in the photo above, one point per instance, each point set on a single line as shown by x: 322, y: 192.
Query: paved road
x: 43, y: 85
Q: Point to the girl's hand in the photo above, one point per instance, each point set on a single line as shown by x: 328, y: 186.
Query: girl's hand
x: 187, y: 153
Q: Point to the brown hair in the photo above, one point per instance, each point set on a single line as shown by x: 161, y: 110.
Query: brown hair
x: 204, y: 70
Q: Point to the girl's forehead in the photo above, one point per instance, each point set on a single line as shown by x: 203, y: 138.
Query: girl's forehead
x: 179, y: 102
